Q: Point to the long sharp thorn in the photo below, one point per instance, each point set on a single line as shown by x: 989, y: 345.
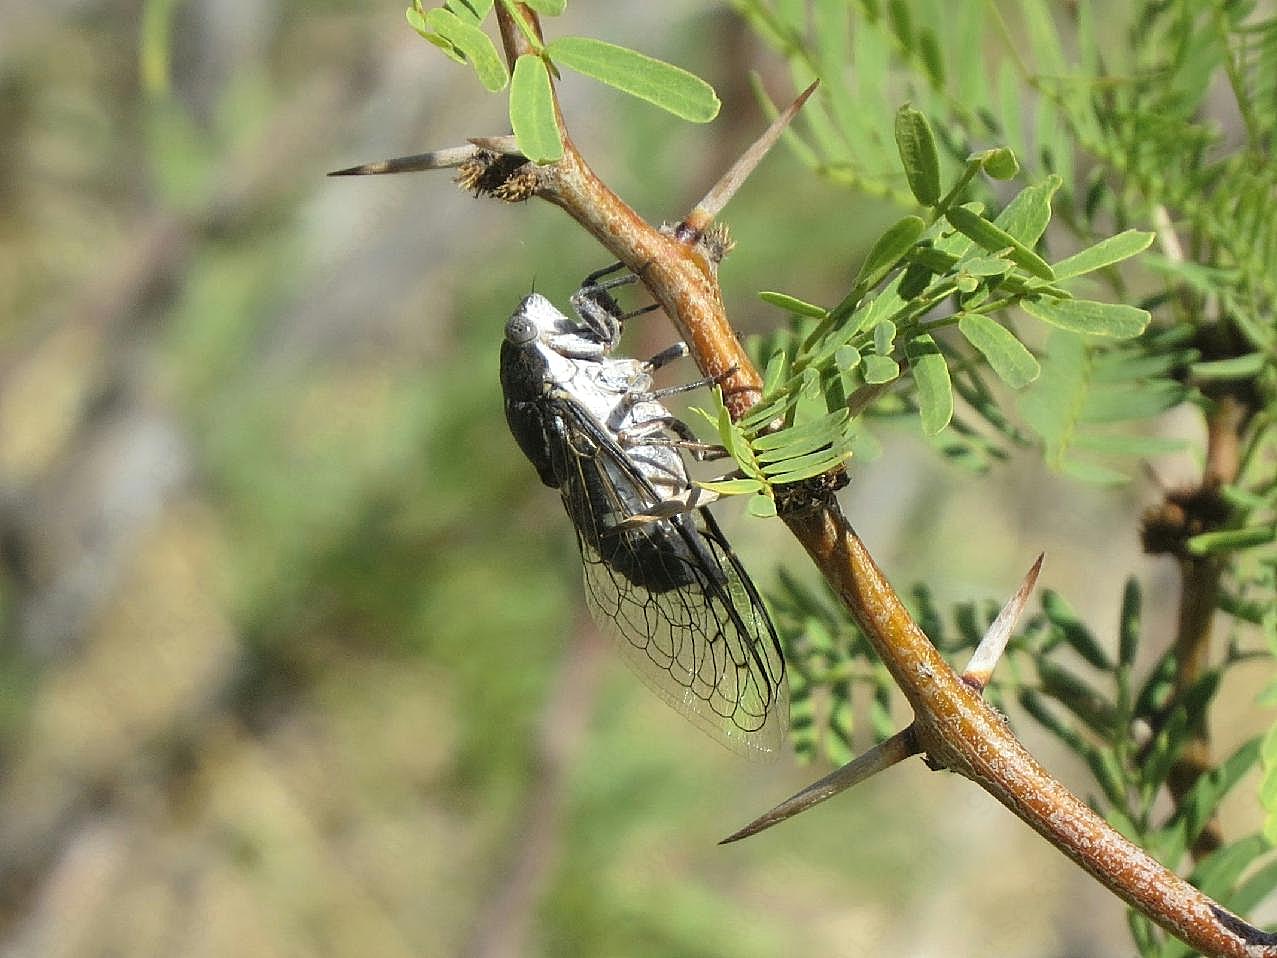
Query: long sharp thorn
x: 704, y: 212
x: 980, y: 669
x: 884, y: 755
x: 505, y: 145
x: 434, y: 160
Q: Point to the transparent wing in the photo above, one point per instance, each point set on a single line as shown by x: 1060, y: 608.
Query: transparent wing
x: 686, y: 615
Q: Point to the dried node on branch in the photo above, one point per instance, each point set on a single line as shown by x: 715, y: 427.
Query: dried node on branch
x: 505, y: 176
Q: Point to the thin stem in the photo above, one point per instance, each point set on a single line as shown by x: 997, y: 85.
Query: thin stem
x: 1199, y: 598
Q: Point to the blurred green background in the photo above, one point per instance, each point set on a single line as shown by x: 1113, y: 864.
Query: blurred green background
x: 293, y: 659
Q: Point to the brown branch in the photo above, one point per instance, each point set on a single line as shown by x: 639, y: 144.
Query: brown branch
x: 953, y: 725
x: 1199, y: 598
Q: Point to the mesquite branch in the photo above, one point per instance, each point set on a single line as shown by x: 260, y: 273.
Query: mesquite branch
x: 953, y: 726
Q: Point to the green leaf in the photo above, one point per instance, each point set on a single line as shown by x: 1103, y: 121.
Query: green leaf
x: 532, y: 111
x: 472, y: 11
x: 884, y: 337
x: 1075, y: 694
x: 804, y: 467
x: 1230, y: 540
x: 936, y: 260
x: 763, y: 506
x: 1000, y: 163
x: 732, y: 437
x: 1073, y: 631
x: 662, y: 84
x: 901, y: 22
x: 931, y: 376
x: 930, y: 55
x: 1236, y: 367
x: 1026, y: 216
x: 1104, y: 253
x: 995, y: 240
x: 847, y: 357
x: 792, y: 304
x: 1123, y: 444
x: 1007, y: 356
x: 1129, y: 628
x: 417, y: 20
x: 774, y: 373
x: 1107, y: 771
x: 887, y: 252
x: 551, y: 8
x: 733, y: 487
x: 880, y: 369
x: 1086, y: 316
x: 472, y: 42
x: 1198, y: 806
x: 917, y: 146
x: 1129, y: 402
x: 1218, y: 872
x: 986, y: 266
x: 1165, y: 748
x: 806, y: 437
x: 1092, y: 472
x: 1254, y: 889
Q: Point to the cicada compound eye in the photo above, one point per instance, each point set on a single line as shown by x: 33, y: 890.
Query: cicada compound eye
x: 520, y: 331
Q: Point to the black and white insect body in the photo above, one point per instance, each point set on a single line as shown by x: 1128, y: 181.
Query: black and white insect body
x: 659, y: 575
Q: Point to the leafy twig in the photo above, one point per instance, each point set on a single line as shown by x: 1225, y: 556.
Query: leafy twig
x: 953, y: 725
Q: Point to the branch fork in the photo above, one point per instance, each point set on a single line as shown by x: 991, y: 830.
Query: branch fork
x: 953, y: 725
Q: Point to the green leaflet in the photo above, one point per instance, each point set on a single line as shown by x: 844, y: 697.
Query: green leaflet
x: 732, y: 487
x: 1083, y: 387
x: 805, y: 467
x: 532, y: 111
x: 1026, y: 216
x: 417, y: 20
x: 917, y: 146
x: 792, y: 304
x: 995, y: 240
x: 1007, y: 356
x: 1219, y: 872
x: 470, y: 41
x: 1199, y: 805
x: 662, y: 84
x: 880, y: 369
x: 797, y: 440
x: 1063, y: 616
x: 1086, y: 316
x: 1104, y: 253
x: 884, y: 337
x: 551, y: 8
x: 931, y: 378
x: 774, y: 373
x: 887, y: 252
x: 1230, y: 540
x: 1000, y: 163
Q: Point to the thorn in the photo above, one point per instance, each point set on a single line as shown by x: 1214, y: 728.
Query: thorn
x: 1155, y: 478
x: 505, y: 145
x: 434, y: 160
x: 704, y: 212
x: 882, y: 756
x: 980, y: 669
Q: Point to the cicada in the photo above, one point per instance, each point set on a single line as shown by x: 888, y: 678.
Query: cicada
x: 659, y: 575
